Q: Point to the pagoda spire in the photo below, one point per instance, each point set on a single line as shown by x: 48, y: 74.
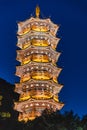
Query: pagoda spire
x: 37, y: 11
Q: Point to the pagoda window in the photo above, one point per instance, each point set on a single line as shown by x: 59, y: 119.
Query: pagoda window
x: 32, y: 52
x: 39, y: 27
x: 46, y: 69
x: 36, y: 52
x: 50, y: 70
x: 32, y: 68
x: 24, y: 87
x: 31, y: 105
x: 42, y: 68
x: 28, y: 69
x: 42, y: 85
x: 36, y: 37
x: 26, y: 106
x: 46, y: 52
x: 47, y: 85
x: 49, y: 54
x: 27, y: 86
x: 43, y: 104
x: 32, y: 85
x: 28, y: 54
x: 42, y: 52
x: 25, y: 54
x: 37, y: 67
x: 50, y: 59
x: 36, y: 23
x: 41, y: 37
x: 28, y: 39
x: 48, y: 40
x: 37, y: 104
x: 37, y: 84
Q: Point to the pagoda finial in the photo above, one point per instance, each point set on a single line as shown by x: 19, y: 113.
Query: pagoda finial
x: 37, y: 11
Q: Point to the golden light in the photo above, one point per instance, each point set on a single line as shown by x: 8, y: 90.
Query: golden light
x: 38, y: 70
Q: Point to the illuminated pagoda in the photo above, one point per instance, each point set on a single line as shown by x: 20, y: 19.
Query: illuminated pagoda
x: 38, y: 72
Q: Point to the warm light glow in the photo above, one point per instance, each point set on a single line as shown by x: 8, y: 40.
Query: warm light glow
x: 27, y: 117
x: 24, y: 97
x: 23, y: 79
x: 39, y: 28
x: 41, y: 95
x: 41, y: 75
x: 25, y: 45
x: 55, y: 79
x: 24, y: 31
x: 37, y: 11
x: 40, y: 58
x: 56, y: 98
x: 26, y: 60
x: 38, y: 70
x: 31, y: 118
x: 37, y: 42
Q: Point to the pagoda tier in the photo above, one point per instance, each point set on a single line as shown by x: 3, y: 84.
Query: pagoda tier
x: 38, y: 71
x: 36, y: 24
x: 37, y: 54
x: 32, y: 108
x: 35, y: 84
x: 38, y: 90
x: 39, y: 93
x: 37, y: 39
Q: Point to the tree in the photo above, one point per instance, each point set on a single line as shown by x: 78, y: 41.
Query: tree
x: 84, y: 122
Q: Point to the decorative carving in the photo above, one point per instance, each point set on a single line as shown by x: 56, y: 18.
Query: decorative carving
x: 38, y: 72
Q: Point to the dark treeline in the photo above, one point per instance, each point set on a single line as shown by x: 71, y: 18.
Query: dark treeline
x: 48, y: 121
x: 54, y: 121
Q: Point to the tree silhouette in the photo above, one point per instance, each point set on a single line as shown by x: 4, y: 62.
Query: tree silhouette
x: 48, y: 121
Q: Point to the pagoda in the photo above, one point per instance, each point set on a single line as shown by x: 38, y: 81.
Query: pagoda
x: 38, y: 71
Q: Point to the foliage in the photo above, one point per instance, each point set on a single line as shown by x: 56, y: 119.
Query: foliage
x: 54, y: 121
x: 48, y: 121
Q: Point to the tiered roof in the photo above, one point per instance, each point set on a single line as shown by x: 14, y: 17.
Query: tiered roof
x: 38, y: 72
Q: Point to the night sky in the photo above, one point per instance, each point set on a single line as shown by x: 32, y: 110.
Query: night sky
x: 71, y: 15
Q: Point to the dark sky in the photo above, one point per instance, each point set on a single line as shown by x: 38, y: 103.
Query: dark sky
x: 72, y: 17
